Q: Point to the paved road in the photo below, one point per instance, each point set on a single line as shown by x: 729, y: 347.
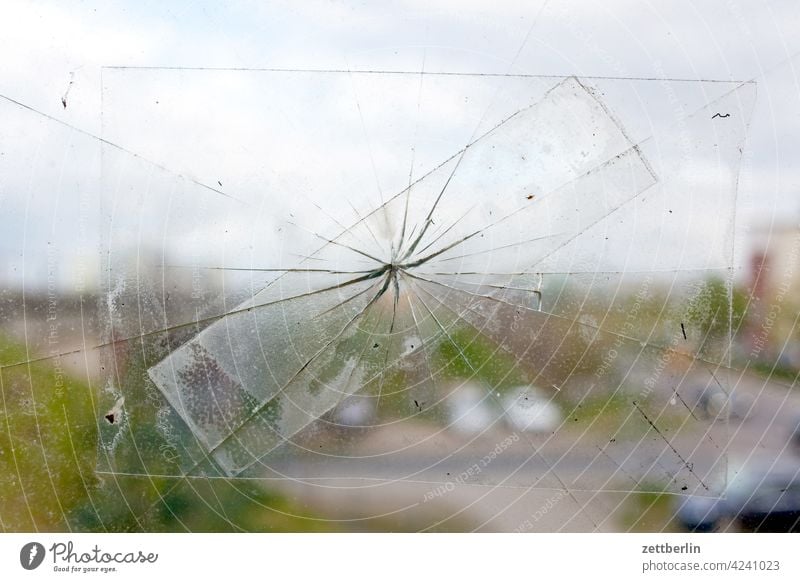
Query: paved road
x: 430, y: 486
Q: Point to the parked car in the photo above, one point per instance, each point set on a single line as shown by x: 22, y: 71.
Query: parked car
x: 356, y: 411
x: 471, y: 410
x: 794, y: 438
x: 529, y: 409
x: 713, y: 403
x: 759, y: 499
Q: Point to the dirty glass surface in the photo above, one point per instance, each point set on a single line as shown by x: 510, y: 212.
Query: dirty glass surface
x: 416, y: 285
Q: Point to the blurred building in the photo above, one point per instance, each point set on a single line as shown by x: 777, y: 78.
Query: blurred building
x: 773, y: 282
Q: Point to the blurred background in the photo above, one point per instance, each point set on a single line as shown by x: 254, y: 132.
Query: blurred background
x: 670, y: 406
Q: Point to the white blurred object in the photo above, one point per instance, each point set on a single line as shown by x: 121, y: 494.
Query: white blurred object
x: 470, y: 408
x: 528, y: 409
x: 356, y: 411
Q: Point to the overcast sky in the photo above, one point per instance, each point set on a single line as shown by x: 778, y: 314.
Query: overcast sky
x: 54, y: 50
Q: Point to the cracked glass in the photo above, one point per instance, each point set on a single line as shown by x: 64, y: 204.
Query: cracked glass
x: 369, y: 280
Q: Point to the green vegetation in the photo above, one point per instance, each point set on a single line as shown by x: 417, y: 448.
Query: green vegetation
x: 651, y: 509
x: 48, y: 457
x: 709, y: 309
x: 471, y: 355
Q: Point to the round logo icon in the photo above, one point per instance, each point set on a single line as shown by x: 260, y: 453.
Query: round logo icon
x: 31, y: 555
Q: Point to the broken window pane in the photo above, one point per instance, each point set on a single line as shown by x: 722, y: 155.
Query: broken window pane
x: 432, y: 281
